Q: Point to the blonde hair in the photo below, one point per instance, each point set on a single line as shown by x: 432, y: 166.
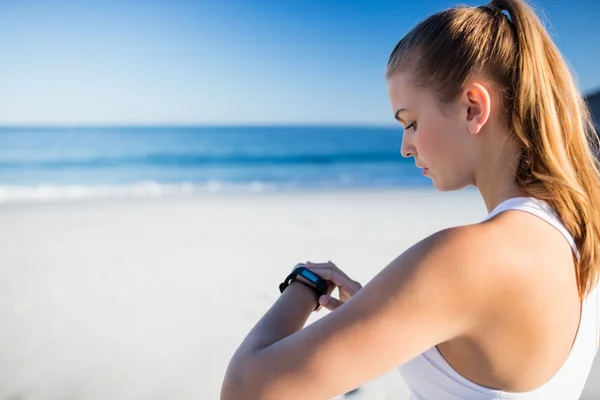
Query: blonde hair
x: 506, y: 42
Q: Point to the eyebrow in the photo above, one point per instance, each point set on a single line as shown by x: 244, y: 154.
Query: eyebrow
x: 397, y: 116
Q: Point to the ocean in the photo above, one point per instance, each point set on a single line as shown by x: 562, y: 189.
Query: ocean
x: 49, y: 164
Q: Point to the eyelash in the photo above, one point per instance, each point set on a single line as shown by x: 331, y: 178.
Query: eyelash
x: 412, y: 125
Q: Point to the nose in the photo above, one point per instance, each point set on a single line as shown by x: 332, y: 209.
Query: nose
x: 407, y: 149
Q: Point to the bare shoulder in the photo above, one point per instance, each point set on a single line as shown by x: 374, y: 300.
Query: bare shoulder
x: 453, y: 270
x: 466, y: 254
x: 504, y: 247
x: 470, y: 265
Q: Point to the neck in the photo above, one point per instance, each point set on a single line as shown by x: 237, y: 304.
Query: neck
x: 495, y: 178
x: 493, y: 196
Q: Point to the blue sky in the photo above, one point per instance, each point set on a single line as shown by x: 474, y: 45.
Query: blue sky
x: 226, y: 62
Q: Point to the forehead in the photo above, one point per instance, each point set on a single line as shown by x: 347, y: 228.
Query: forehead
x: 401, y: 90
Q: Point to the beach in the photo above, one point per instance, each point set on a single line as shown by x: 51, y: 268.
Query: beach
x: 128, y: 299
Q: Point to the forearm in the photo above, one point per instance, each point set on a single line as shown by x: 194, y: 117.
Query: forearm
x: 287, y: 316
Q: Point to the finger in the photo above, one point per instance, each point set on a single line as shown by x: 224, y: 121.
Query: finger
x: 327, y: 265
x: 336, y: 276
x: 329, y: 271
x: 319, y: 265
x: 330, y: 303
x: 332, y: 275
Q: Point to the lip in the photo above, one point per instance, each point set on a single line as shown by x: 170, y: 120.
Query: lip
x: 425, y: 171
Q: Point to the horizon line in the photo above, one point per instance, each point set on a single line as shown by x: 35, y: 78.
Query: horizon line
x: 196, y: 125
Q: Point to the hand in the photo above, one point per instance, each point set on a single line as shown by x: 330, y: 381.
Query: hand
x: 330, y: 272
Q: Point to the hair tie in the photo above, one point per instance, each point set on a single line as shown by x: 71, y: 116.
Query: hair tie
x: 497, y: 10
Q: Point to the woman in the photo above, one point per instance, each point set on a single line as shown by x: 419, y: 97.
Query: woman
x: 506, y: 308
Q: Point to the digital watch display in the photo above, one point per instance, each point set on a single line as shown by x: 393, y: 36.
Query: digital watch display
x: 312, y: 280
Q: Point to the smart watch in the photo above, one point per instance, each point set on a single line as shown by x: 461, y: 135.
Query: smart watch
x: 313, y: 281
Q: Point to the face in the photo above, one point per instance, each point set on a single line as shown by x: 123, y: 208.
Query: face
x: 438, y: 140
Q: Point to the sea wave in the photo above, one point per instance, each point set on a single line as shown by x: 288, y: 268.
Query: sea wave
x: 51, y: 193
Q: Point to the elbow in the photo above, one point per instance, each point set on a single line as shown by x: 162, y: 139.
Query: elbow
x: 230, y: 390
x: 242, y: 384
x: 235, y: 385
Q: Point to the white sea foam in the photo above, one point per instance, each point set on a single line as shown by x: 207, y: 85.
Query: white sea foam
x: 52, y: 193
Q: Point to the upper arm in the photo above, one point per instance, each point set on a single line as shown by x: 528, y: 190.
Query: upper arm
x: 428, y: 295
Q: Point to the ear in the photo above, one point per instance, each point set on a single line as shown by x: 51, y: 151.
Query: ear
x: 477, y: 101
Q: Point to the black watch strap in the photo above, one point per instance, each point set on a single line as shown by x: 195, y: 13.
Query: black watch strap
x: 320, y: 284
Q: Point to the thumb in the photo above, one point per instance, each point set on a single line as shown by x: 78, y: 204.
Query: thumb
x: 329, y: 302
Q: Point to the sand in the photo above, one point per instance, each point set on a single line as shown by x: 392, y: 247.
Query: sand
x: 148, y: 299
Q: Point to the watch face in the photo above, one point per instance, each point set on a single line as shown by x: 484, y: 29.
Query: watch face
x: 310, y: 276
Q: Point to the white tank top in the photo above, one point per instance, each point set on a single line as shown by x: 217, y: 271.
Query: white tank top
x: 430, y: 377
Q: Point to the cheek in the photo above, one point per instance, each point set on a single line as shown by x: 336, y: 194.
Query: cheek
x: 428, y: 144
x: 436, y: 141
